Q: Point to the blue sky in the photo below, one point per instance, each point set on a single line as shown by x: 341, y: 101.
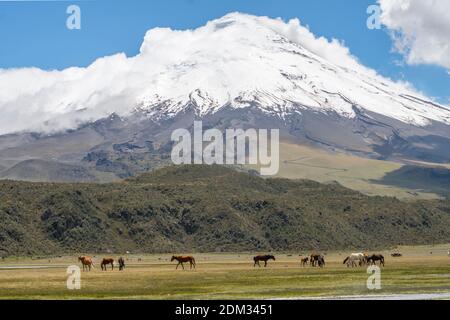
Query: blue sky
x: 34, y: 33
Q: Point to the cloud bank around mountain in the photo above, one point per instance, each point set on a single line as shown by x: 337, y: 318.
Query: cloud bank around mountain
x: 420, y: 29
x: 48, y: 101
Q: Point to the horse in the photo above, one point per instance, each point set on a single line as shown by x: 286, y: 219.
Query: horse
x: 317, y: 260
x: 107, y: 261
x: 304, y: 261
x: 265, y: 258
x: 86, y: 262
x: 396, y: 255
x: 355, y: 259
x: 121, y: 263
x: 374, y: 258
x: 182, y: 259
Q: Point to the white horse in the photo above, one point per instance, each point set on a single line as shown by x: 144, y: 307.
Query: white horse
x: 355, y: 259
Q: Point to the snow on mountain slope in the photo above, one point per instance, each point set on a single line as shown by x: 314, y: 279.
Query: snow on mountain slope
x: 238, y: 60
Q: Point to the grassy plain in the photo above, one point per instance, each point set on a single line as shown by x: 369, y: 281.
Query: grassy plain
x: 424, y: 269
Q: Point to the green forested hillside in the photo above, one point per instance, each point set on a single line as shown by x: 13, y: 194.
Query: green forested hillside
x: 208, y: 208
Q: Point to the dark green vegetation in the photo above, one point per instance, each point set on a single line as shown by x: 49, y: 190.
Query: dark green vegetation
x: 208, y: 208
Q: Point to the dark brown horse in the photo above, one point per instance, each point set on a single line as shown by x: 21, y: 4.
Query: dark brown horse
x: 105, y: 263
x: 86, y: 262
x: 304, y: 261
x: 121, y: 263
x: 265, y: 258
x: 317, y: 260
x: 182, y: 260
x: 372, y: 260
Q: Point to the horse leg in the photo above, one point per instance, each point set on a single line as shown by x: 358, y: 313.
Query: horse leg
x: 265, y: 263
x: 176, y: 268
x: 182, y: 265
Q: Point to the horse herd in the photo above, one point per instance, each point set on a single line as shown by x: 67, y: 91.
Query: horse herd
x: 87, y: 263
x: 363, y: 259
x: 314, y: 259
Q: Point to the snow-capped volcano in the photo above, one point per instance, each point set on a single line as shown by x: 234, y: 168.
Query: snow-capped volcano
x: 242, y: 60
x: 235, y: 62
x: 239, y: 71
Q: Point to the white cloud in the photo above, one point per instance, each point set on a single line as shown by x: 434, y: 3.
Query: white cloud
x: 420, y: 29
x: 333, y: 50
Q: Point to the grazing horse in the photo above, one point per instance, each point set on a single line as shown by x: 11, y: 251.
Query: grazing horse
x: 121, y: 263
x: 181, y: 260
x: 374, y: 258
x: 105, y: 263
x: 304, y: 261
x: 86, y: 262
x: 265, y: 258
x: 355, y: 259
x: 317, y: 260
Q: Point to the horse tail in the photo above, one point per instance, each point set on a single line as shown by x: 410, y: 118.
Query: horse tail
x: 346, y: 259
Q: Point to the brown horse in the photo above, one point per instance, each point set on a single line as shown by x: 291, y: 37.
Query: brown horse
x: 121, y: 263
x: 182, y: 260
x: 107, y: 261
x: 265, y: 258
x: 304, y: 261
x: 317, y: 260
x: 372, y: 260
x: 86, y: 262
